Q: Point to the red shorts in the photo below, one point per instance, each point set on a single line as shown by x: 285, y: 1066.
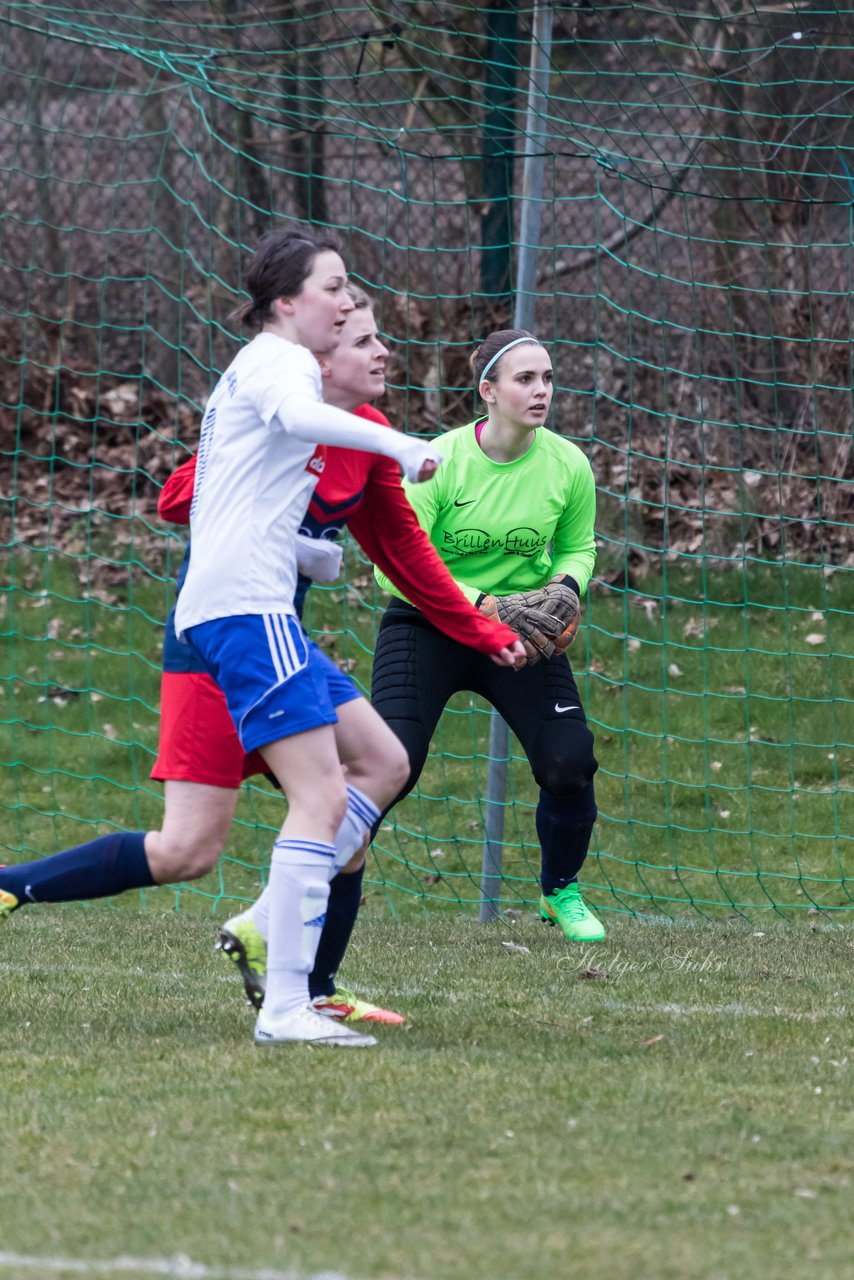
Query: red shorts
x: 198, y: 740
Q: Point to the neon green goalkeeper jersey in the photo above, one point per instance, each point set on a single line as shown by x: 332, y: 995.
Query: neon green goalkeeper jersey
x: 503, y: 527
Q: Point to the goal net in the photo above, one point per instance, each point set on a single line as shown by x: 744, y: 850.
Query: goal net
x: 694, y: 284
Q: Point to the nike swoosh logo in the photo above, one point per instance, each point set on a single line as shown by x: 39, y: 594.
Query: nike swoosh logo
x: 465, y: 504
x: 559, y: 709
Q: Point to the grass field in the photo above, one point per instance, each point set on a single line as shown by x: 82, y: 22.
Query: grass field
x: 674, y: 1102
x: 721, y: 702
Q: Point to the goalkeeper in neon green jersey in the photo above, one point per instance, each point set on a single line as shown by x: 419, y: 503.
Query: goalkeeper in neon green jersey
x: 511, y: 512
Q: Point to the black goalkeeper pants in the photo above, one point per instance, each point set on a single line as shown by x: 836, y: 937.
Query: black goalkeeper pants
x: 416, y: 671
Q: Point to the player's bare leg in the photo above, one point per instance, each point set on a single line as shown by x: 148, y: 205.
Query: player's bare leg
x: 378, y: 765
x: 195, y: 827
x: 376, y: 769
x: 375, y: 760
x: 304, y: 858
x: 196, y: 821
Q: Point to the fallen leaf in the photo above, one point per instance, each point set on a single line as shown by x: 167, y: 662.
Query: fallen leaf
x: 516, y: 946
x: 122, y: 401
x: 594, y: 973
x: 650, y: 607
x: 652, y: 1040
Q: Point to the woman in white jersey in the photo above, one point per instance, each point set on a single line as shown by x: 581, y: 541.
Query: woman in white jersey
x: 258, y: 458
x: 201, y: 759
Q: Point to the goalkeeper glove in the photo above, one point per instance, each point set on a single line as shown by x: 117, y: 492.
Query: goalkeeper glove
x: 546, y: 619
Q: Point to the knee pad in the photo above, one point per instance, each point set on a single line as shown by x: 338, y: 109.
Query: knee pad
x: 562, y: 760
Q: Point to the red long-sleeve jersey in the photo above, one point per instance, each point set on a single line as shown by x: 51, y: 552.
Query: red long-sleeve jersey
x: 363, y: 491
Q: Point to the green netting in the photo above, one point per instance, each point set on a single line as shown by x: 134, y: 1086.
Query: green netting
x: 694, y: 283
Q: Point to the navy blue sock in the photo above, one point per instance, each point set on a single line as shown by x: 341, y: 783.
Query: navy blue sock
x: 345, y: 894
x: 99, y: 869
x: 564, y: 827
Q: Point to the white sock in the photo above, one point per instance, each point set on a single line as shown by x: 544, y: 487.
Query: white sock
x: 361, y: 815
x: 299, y: 889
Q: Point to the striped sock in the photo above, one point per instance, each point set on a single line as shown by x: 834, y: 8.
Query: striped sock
x: 361, y: 814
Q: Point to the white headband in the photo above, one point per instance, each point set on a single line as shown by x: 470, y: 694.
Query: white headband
x: 502, y: 350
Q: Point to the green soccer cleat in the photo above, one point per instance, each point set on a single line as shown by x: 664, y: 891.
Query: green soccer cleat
x: 240, y: 940
x: 8, y: 904
x: 344, y: 1006
x: 566, y: 908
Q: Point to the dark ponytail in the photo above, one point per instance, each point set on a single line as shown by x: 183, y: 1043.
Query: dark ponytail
x: 278, y: 269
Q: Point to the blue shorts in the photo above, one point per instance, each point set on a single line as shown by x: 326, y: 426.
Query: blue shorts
x: 276, y: 681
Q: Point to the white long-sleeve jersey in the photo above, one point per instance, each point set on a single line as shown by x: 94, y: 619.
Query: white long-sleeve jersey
x: 260, y: 455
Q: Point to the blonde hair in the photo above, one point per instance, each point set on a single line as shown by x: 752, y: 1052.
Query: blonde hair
x: 359, y: 298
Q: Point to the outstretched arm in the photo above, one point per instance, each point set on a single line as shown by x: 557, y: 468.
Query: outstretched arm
x: 316, y: 423
x: 387, y: 529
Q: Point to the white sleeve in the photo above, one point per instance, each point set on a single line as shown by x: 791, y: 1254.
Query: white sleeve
x: 319, y: 558
x: 318, y: 423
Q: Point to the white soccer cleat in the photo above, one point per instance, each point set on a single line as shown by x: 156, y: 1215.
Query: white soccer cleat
x: 310, y: 1027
